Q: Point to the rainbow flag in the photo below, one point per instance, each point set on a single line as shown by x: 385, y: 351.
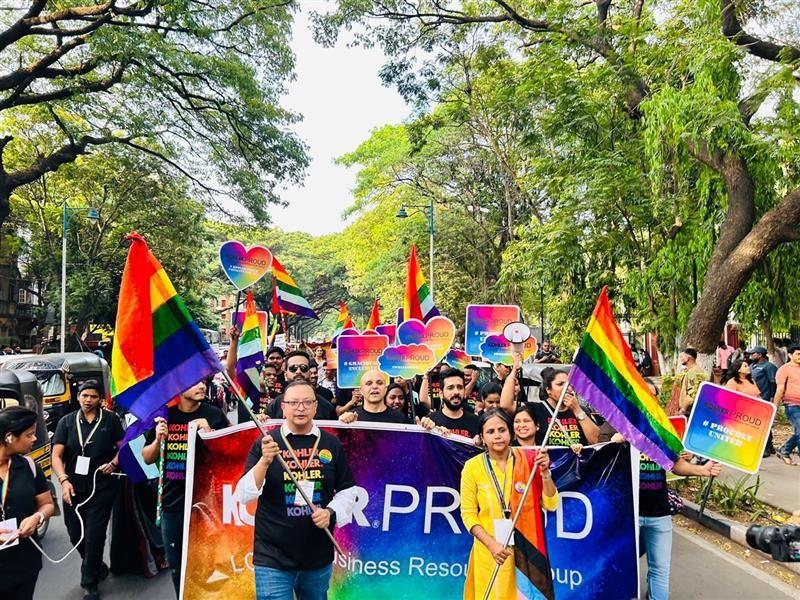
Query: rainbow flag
x: 250, y: 355
x: 375, y: 316
x: 273, y: 332
x: 158, y: 350
x: 343, y: 321
x: 605, y: 375
x: 290, y: 298
x: 418, y: 302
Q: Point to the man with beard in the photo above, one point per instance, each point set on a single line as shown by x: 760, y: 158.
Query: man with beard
x: 298, y: 367
x: 374, y: 409
x: 452, y: 415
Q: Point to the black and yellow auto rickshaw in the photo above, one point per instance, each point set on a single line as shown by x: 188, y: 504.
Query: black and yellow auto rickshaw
x: 21, y: 388
x: 59, y: 375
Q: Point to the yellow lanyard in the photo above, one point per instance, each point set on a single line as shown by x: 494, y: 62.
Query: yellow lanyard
x: 91, y: 433
x: 294, y: 456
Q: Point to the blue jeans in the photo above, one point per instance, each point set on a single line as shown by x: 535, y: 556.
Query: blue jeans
x: 274, y: 584
x: 172, y: 534
x: 793, y: 414
x: 655, y: 534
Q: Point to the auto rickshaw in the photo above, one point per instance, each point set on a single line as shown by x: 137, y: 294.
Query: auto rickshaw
x: 60, y: 375
x: 21, y: 388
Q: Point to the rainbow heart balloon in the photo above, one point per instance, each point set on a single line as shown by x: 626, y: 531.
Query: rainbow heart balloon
x: 406, y: 361
x: 242, y: 266
x: 438, y: 334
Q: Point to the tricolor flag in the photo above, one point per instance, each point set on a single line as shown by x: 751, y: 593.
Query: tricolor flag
x: 374, y: 317
x: 605, y: 375
x: 343, y: 321
x: 158, y: 350
x: 418, y: 301
x: 290, y: 298
x: 250, y: 354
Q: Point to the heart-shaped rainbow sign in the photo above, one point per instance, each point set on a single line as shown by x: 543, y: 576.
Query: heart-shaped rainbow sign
x: 438, y: 334
x: 242, y: 266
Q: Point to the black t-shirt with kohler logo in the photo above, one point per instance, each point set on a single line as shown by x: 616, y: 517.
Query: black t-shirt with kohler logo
x: 285, y: 536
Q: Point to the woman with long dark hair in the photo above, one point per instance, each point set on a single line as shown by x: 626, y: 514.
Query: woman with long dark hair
x: 25, y: 503
x: 525, y: 427
x: 739, y: 379
x: 492, y: 484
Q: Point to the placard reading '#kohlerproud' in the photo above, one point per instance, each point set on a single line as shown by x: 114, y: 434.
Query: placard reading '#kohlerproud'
x: 357, y: 354
x: 729, y: 427
x: 406, y: 540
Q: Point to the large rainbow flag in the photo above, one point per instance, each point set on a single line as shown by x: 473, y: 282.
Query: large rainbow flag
x: 158, y: 350
x: 418, y: 301
x: 250, y: 354
x: 605, y: 375
x: 290, y: 298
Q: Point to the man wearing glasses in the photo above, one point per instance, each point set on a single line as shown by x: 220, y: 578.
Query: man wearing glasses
x: 298, y: 368
x: 292, y: 555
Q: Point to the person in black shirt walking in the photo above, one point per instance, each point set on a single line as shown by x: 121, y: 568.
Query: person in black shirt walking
x: 298, y: 368
x: 175, y: 430
x: 292, y: 555
x: 25, y: 503
x: 87, y: 440
x: 374, y: 409
x: 452, y: 415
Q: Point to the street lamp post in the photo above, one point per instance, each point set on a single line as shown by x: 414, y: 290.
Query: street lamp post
x: 428, y: 212
x: 66, y: 215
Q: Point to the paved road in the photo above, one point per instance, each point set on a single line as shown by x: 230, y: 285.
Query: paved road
x: 780, y: 483
x: 700, y: 571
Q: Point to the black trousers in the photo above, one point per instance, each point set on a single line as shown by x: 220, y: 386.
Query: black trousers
x: 96, y: 514
x: 22, y: 590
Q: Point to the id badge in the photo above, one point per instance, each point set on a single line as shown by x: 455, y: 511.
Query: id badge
x: 82, y: 466
x: 308, y: 488
x: 502, y: 527
x: 11, y: 526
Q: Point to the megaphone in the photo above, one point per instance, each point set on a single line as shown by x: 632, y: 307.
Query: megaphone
x: 517, y: 334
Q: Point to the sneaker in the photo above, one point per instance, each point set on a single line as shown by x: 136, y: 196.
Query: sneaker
x: 91, y: 594
x: 104, y: 571
x: 784, y: 457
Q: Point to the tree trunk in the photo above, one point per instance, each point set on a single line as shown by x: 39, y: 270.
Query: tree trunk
x: 5, y: 205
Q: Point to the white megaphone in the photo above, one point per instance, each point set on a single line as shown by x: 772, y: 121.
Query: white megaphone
x: 517, y: 333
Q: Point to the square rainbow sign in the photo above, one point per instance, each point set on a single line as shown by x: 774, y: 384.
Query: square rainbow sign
x: 355, y: 355
x: 484, y: 320
x: 729, y: 427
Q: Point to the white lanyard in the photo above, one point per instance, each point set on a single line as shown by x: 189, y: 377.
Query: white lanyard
x: 91, y: 433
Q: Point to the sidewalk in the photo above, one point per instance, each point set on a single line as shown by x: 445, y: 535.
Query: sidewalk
x: 780, y: 483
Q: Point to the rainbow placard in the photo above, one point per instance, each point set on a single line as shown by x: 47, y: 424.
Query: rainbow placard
x: 497, y: 349
x: 389, y: 331
x: 238, y: 320
x: 438, y: 334
x: 729, y: 427
x: 484, y: 320
x: 407, y: 361
x: 349, y: 331
x: 458, y: 359
x: 244, y: 267
x: 355, y: 355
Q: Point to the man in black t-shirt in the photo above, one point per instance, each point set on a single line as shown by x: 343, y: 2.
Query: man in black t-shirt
x: 291, y: 552
x: 298, y: 368
x: 452, y: 415
x: 374, y: 409
x: 175, y: 432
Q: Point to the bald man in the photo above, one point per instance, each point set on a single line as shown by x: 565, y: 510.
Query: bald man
x: 374, y: 409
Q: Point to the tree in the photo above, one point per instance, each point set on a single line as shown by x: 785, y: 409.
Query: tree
x: 195, y: 83
x: 691, y: 83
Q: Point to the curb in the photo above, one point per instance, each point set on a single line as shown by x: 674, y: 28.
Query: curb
x: 733, y: 530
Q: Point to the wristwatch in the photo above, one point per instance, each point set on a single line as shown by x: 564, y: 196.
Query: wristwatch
x: 581, y: 416
x: 41, y: 518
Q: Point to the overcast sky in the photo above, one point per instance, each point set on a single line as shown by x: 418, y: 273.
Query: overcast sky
x: 341, y: 98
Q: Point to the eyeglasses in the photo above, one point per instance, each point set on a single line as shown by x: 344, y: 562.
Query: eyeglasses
x: 296, y: 368
x: 299, y: 403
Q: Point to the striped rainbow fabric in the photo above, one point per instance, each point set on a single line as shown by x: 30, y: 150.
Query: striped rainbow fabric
x: 158, y: 350
x: 418, y: 301
x: 605, y: 375
x: 250, y: 354
x: 343, y: 321
x: 290, y: 298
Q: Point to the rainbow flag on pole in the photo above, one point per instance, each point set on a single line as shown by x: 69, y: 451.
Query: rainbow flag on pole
x: 605, y: 375
x: 250, y: 355
x: 290, y: 298
x: 418, y: 301
x: 158, y: 350
x: 343, y: 321
x: 374, y: 316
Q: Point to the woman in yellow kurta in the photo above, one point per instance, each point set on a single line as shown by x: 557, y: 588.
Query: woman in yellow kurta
x: 491, y: 488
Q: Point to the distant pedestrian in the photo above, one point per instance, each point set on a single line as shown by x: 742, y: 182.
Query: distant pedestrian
x: 723, y: 354
x: 739, y: 379
x: 689, y: 381
x: 788, y: 394
x: 764, y: 373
